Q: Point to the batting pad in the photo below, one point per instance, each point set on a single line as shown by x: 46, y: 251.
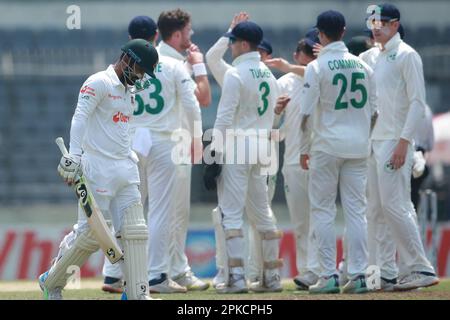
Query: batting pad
x: 269, y: 247
x: 221, y: 250
x: 75, y: 249
x: 134, y: 237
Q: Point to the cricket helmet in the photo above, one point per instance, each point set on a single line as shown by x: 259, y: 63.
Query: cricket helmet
x: 143, y: 53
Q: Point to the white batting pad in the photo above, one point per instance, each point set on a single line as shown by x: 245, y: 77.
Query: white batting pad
x: 75, y: 249
x: 134, y: 237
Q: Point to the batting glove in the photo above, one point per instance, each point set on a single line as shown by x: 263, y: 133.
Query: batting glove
x: 69, y: 168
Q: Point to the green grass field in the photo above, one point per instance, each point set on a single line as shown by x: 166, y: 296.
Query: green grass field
x: 90, y: 290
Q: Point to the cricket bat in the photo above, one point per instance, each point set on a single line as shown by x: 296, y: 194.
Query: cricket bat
x: 95, y: 218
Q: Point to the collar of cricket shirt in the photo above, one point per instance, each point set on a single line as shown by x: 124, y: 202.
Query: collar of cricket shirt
x: 392, y: 43
x: 113, y: 76
x: 166, y: 50
x: 252, y: 55
x: 333, y: 46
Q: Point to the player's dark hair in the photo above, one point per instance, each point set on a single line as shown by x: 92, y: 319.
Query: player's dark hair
x: 253, y: 46
x: 303, y: 46
x: 333, y: 35
x: 150, y: 39
x: 172, y: 21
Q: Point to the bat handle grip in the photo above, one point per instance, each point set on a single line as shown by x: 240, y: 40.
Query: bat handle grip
x: 62, y: 147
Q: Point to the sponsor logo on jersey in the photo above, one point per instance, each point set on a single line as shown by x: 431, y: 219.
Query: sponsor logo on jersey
x: 119, y: 116
x: 88, y: 90
x: 114, y: 97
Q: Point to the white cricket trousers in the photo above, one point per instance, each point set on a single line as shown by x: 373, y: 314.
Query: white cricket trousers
x: 178, y: 260
x: 296, y: 192
x: 161, y: 177
x: 240, y: 185
x: 391, y: 214
x: 114, y: 185
x: 327, y: 174
x: 237, y: 184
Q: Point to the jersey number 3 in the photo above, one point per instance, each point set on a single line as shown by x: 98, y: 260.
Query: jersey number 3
x: 355, y: 86
x: 155, y: 95
x: 264, y: 86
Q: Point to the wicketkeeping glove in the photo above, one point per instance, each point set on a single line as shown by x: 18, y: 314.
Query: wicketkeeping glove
x: 419, y: 164
x: 210, y: 174
x: 69, y: 168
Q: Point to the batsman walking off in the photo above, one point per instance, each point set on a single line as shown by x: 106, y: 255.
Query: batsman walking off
x: 100, y: 149
x: 166, y: 105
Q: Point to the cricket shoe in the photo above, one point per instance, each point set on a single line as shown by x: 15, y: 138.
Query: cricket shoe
x: 271, y: 285
x: 219, y: 278
x: 237, y: 285
x: 326, y: 285
x: 303, y: 282
x: 52, y: 294
x: 417, y: 279
x: 143, y: 297
x: 356, y: 285
x: 113, y: 285
x: 165, y: 285
x: 191, y: 282
x: 387, y: 285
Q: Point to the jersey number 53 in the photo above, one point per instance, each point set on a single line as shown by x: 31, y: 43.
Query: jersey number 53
x: 155, y: 95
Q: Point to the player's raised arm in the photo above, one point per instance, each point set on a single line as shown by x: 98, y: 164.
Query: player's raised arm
x: 284, y: 66
x: 203, y: 90
x: 214, y: 56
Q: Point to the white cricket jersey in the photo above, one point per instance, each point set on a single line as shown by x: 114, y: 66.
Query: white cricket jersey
x: 291, y: 84
x: 101, y: 120
x: 166, y: 50
x: 249, y: 94
x: 401, y: 89
x: 168, y: 99
x: 340, y: 94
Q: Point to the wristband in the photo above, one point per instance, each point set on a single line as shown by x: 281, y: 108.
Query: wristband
x: 199, y: 69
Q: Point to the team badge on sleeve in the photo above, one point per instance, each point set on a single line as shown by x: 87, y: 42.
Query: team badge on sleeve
x: 88, y: 90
